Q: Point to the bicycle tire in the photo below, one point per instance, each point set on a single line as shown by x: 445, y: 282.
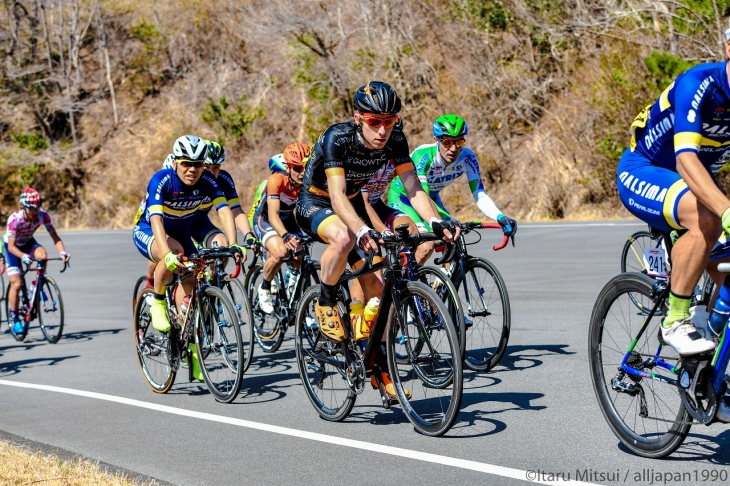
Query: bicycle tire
x: 135, y: 293
x: 449, y: 295
x: 614, y: 325
x: 632, y: 254
x: 218, y: 344
x: 431, y: 410
x: 152, y: 347
x: 487, y: 337
x: 266, y: 327
x: 4, y: 305
x: 239, y: 298
x: 325, y: 384
x: 50, y: 310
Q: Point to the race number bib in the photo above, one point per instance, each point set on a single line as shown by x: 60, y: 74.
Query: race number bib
x: 655, y: 262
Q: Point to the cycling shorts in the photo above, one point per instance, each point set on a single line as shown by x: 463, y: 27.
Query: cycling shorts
x: 202, y: 231
x: 13, y: 263
x: 649, y: 192
x: 263, y: 229
x: 403, y: 205
x: 315, y: 213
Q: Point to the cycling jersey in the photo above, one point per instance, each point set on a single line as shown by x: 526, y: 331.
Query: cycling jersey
x: 257, y: 199
x: 691, y: 115
x: 22, y: 230
x: 279, y: 187
x: 339, y: 151
x: 178, y: 203
x: 378, y: 183
x: 225, y: 182
x: 434, y: 174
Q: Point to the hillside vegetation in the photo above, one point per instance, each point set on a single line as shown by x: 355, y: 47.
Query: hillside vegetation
x: 94, y: 92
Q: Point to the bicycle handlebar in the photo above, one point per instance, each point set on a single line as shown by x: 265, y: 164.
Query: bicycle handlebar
x: 66, y: 264
x: 472, y: 225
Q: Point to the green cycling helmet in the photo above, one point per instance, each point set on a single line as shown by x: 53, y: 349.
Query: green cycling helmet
x: 449, y: 126
x: 215, y: 155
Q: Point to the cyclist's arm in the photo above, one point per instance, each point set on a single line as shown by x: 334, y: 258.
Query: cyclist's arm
x: 341, y: 205
x: 57, y: 241
x: 241, y: 220
x: 485, y: 203
x: 420, y: 200
x: 274, y: 205
x: 229, y: 226
x: 14, y: 249
x: 158, y: 231
x: 378, y: 225
x: 700, y: 182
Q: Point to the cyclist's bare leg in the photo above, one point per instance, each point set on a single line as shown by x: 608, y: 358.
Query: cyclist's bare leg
x: 161, y: 274
x: 14, y: 291
x: 334, y: 259
x: 151, y: 270
x: 691, y: 252
x: 276, y: 251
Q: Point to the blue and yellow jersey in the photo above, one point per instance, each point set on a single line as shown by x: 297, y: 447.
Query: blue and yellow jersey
x: 177, y: 203
x: 691, y: 115
x: 225, y: 182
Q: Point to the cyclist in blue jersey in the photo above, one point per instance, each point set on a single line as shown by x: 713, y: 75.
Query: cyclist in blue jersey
x: 168, y: 219
x: 665, y: 178
x: 438, y: 165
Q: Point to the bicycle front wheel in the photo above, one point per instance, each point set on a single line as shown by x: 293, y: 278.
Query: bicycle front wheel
x: 237, y: 293
x: 429, y: 381
x: 50, y: 310
x: 218, y: 344
x: 647, y: 415
x: 487, y: 314
x: 152, y: 346
x: 267, y: 328
x: 321, y: 363
x: 442, y: 285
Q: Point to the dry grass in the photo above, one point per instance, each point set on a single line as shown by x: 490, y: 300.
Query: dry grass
x: 21, y: 466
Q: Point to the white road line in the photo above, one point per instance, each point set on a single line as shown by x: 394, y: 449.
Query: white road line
x: 329, y: 439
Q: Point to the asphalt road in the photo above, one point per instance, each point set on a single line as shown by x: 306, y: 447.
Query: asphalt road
x: 534, y: 417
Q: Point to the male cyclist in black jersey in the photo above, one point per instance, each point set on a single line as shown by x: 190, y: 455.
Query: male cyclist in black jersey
x: 331, y: 209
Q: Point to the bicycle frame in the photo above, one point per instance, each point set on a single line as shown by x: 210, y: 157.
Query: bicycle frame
x: 30, y: 302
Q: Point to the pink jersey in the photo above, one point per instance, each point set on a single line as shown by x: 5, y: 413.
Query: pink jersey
x: 23, y: 230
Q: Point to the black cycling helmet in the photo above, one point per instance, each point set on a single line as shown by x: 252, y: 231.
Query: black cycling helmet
x: 377, y: 97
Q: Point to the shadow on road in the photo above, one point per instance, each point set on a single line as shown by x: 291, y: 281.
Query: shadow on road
x: 702, y: 448
x: 15, y: 367
x: 526, y: 357
x: 89, y: 335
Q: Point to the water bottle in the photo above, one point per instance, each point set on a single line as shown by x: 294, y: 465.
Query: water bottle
x: 291, y: 280
x: 356, y: 310
x: 719, y: 315
x: 371, y: 311
x: 183, y: 310
x: 32, y: 289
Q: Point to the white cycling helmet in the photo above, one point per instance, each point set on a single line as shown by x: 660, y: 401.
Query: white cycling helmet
x: 167, y: 164
x: 190, y: 147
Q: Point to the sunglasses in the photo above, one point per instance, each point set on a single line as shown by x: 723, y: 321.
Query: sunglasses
x: 447, y: 143
x: 296, y: 168
x: 190, y: 163
x: 376, y: 123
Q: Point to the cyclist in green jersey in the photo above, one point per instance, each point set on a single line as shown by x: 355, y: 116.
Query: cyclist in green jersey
x: 438, y: 165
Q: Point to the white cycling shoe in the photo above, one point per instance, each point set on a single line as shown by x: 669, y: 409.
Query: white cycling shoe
x: 723, y: 411
x: 686, y: 339
x: 266, y: 302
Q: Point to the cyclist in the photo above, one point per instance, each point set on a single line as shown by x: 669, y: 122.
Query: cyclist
x: 277, y: 164
x: 331, y: 208
x: 169, y: 219
x: 20, y: 246
x: 438, y: 165
x: 665, y: 178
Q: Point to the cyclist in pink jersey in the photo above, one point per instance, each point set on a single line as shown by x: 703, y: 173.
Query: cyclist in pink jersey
x: 21, y: 247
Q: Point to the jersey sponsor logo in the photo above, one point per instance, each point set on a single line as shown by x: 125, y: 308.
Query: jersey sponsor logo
x: 643, y: 208
x: 721, y: 130
x: 184, y: 205
x: 657, y: 131
x: 643, y: 188
x: 142, y: 236
x: 701, y: 91
x: 367, y: 162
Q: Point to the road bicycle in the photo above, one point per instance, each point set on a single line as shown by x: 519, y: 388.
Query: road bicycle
x: 236, y: 292
x: 649, y: 395
x: 2, y: 278
x: 417, y: 328
x: 211, y: 322
x: 42, y: 301
x: 269, y: 329
x: 483, y: 294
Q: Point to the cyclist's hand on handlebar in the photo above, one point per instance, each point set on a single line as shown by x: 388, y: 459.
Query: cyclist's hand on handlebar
x: 171, y: 261
x: 291, y: 241
x: 448, y: 229
x: 27, y: 259
x: 249, y: 238
x: 509, y: 225
x: 239, y: 252
x: 65, y: 257
x: 368, y: 239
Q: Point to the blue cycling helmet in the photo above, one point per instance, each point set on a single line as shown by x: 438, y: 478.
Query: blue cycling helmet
x: 449, y: 126
x: 277, y: 164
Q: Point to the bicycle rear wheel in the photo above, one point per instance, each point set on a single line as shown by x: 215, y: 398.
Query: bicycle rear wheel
x: 442, y: 285
x: 50, y: 310
x: 321, y: 363
x: 237, y: 293
x: 432, y: 372
x: 138, y: 286
x: 647, y: 415
x: 152, y: 346
x: 218, y: 344
x: 267, y: 328
x: 487, y: 314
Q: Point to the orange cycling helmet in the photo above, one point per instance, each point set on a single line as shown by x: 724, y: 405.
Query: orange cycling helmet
x: 295, y: 154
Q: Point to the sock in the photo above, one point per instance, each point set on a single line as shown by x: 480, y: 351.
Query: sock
x: 327, y: 295
x: 678, y: 309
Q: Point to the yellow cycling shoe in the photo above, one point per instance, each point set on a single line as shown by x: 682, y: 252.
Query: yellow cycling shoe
x: 329, y: 322
x: 197, y: 372
x: 389, y: 386
x: 158, y: 313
